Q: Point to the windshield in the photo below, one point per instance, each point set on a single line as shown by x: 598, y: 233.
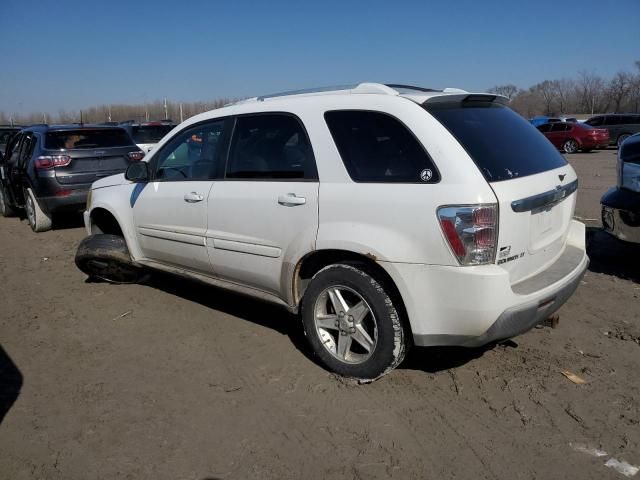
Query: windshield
x: 150, y: 133
x: 502, y: 144
x: 86, y: 138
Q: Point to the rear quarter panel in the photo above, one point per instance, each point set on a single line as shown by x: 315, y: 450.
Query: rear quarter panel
x: 392, y: 222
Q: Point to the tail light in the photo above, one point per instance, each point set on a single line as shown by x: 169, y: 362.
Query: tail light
x: 51, y: 161
x: 136, y: 156
x: 471, y: 231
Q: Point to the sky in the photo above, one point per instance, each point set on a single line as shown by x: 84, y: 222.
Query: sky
x: 69, y: 55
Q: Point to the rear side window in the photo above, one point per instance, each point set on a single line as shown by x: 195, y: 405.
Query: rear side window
x: 501, y: 143
x: 595, y: 121
x: 376, y: 147
x: 270, y: 146
x: 545, y: 128
x: 86, y: 138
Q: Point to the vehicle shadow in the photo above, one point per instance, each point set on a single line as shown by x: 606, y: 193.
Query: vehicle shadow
x: 611, y: 256
x: 251, y: 309
x: 438, y: 359
x: 67, y: 221
x: 266, y: 314
x: 10, y: 383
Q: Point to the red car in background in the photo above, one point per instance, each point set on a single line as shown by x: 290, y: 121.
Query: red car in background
x: 572, y: 137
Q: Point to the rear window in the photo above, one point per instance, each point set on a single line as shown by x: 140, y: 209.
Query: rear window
x: 150, y: 133
x: 86, y: 138
x: 503, y: 145
x: 376, y: 147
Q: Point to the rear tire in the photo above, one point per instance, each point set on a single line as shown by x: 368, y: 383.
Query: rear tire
x: 38, y: 220
x: 6, y: 210
x: 107, y: 258
x: 570, y: 146
x: 345, y: 303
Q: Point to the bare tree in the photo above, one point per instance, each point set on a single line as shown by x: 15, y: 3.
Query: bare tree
x: 547, y: 92
x: 508, y: 90
x: 591, y: 92
x: 563, y: 89
x: 618, y: 89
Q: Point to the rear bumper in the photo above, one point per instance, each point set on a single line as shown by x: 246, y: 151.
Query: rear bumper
x: 621, y: 214
x: 74, y: 202
x: 472, y: 306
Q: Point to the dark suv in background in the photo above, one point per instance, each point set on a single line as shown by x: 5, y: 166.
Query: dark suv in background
x: 49, y: 169
x: 620, y: 125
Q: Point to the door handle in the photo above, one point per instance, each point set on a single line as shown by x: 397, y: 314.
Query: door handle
x: 193, y: 197
x: 291, y: 200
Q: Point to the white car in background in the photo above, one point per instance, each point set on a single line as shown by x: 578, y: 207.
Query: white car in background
x: 386, y: 215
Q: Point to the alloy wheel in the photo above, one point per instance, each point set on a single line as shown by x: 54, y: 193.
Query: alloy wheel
x: 345, y: 324
x: 570, y: 146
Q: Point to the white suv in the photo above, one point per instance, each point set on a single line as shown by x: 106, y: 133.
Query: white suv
x: 387, y: 215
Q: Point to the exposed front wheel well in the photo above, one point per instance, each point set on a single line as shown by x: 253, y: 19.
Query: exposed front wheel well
x: 316, y: 261
x: 103, y: 222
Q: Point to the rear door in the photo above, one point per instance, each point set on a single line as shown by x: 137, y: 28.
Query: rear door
x: 612, y: 123
x: 94, y: 153
x: 170, y: 212
x: 533, y: 183
x: 557, y: 134
x: 265, y: 211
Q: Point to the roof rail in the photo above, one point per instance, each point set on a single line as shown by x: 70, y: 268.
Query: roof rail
x: 305, y: 91
x: 365, y: 87
x: 396, y: 86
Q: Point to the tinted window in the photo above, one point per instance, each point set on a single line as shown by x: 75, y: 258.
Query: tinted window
x: 5, y: 136
x: 26, y: 150
x: 376, y: 147
x: 635, y: 119
x: 13, y: 151
x: 193, y: 154
x: 501, y: 143
x: 595, y: 121
x: 630, y: 151
x: 271, y: 146
x: 149, y: 133
x: 86, y: 138
x: 559, y: 127
x: 545, y: 128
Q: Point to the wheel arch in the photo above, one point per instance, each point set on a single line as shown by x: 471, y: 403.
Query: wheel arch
x: 104, y: 216
x: 103, y: 221
x: 315, y: 261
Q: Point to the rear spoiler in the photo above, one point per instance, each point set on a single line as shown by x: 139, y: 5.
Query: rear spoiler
x: 466, y: 98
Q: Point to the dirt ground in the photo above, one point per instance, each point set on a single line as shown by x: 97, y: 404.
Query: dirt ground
x: 174, y: 380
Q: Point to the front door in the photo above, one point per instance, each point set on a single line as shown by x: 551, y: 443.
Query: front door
x: 265, y: 212
x: 171, y: 210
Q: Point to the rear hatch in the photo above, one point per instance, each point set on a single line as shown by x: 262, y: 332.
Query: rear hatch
x: 94, y: 153
x: 534, y: 184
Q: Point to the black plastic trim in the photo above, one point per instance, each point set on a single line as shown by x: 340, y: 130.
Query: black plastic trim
x: 545, y: 199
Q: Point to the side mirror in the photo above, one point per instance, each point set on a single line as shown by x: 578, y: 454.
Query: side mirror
x: 137, y: 172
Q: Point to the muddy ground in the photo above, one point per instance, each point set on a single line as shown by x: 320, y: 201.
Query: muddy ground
x: 174, y: 380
